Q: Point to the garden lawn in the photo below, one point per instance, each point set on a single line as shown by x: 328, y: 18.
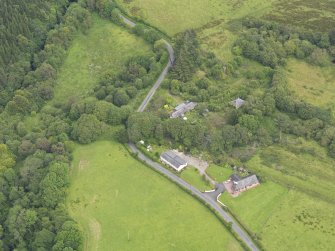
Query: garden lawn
x: 105, y: 48
x: 193, y: 177
x: 175, y: 16
x: 122, y: 204
x: 219, y: 173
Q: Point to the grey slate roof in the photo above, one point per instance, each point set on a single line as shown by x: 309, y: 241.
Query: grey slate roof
x: 245, y: 182
x: 237, y: 103
x: 173, y: 159
x: 182, y: 109
x: 235, y: 177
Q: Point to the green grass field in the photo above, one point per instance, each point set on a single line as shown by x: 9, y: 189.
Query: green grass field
x: 175, y: 16
x: 123, y: 205
x: 106, y: 47
x: 300, y: 223
x: 261, y: 202
x: 314, y: 84
x: 192, y: 176
x: 219, y: 40
x: 302, y: 165
x: 219, y: 173
x: 178, y: 15
x: 285, y: 219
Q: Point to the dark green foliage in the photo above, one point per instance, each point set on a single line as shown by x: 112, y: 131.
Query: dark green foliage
x: 138, y: 73
x: 68, y: 238
x: 270, y: 44
x: 187, y: 56
x: 54, y: 183
x: 25, y: 23
x: 87, y: 129
x: 30, y: 218
x: 142, y: 126
x: 332, y: 37
x: 147, y: 33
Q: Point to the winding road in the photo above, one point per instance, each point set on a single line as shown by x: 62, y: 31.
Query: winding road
x: 207, y: 198
x: 159, y: 80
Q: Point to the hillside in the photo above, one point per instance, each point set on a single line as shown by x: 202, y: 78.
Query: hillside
x: 121, y: 122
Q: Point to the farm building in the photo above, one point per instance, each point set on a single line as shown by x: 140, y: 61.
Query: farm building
x: 243, y: 184
x: 237, y: 103
x: 173, y: 160
x: 181, y: 109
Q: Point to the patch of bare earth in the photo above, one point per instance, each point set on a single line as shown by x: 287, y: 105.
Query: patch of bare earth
x: 95, y: 230
x: 82, y: 164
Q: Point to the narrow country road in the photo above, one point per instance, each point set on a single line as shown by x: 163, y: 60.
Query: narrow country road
x: 159, y: 80
x: 209, y: 199
x: 204, y: 197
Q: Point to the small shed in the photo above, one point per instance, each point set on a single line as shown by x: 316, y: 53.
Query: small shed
x: 237, y: 103
x: 173, y: 160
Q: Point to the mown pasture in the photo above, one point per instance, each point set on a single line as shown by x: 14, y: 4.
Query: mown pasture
x: 122, y: 204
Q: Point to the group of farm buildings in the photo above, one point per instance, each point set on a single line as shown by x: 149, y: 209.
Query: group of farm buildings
x: 237, y: 184
x: 170, y: 158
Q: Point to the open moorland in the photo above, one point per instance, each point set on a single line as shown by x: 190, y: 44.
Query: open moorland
x: 175, y: 16
x: 310, y: 14
x: 123, y: 205
x: 178, y: 15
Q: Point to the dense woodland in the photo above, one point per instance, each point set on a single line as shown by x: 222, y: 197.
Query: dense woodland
x: 35, y: 162
x: 34, y: 165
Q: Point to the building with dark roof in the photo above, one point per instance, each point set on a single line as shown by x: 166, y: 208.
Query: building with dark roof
x: 173, y: 160
x: 237, y: 103
x: 181, y: 109
x: 241, y: 184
